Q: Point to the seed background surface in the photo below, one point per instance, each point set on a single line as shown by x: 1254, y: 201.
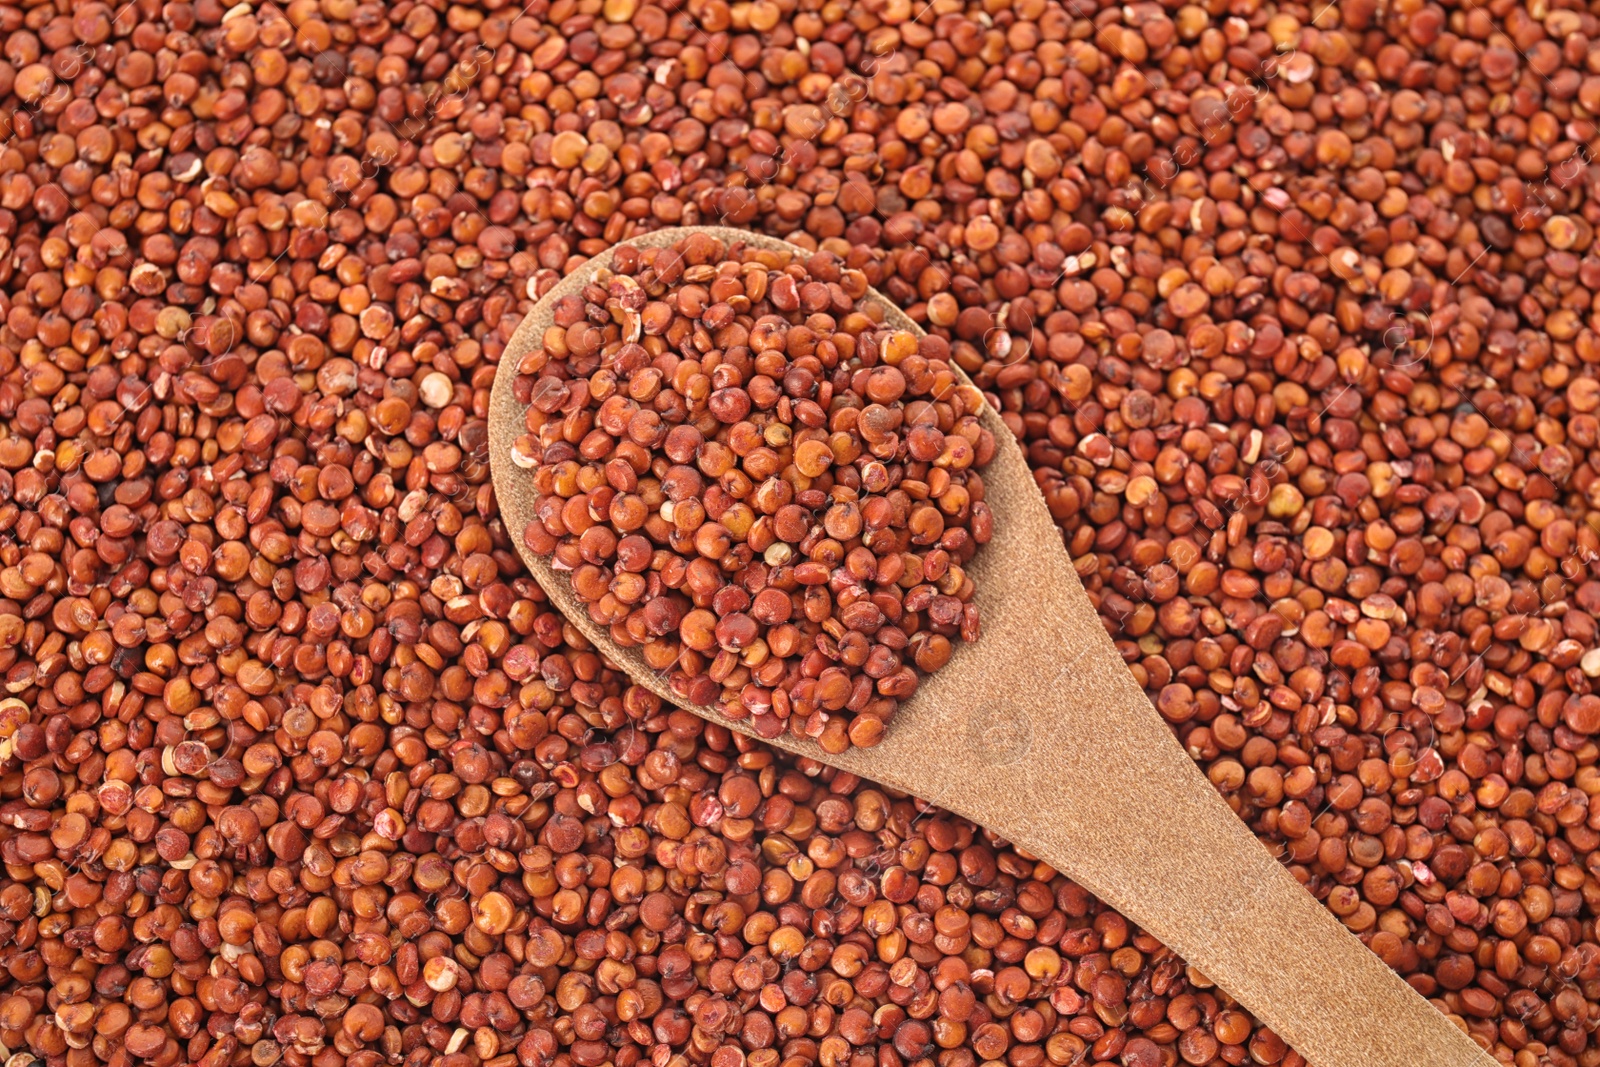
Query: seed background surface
x: 1292, y: 306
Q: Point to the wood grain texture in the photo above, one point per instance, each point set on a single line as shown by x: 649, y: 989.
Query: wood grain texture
x: 1039, y: 733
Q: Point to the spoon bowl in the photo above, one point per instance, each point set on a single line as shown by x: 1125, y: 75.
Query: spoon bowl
x: 1038, y: 732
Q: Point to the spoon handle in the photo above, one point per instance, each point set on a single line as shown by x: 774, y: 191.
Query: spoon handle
x: 1041, y: 734
x: 1089, y: 785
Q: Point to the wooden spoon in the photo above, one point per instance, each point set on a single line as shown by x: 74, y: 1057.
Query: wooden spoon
x: 1038, y: 732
